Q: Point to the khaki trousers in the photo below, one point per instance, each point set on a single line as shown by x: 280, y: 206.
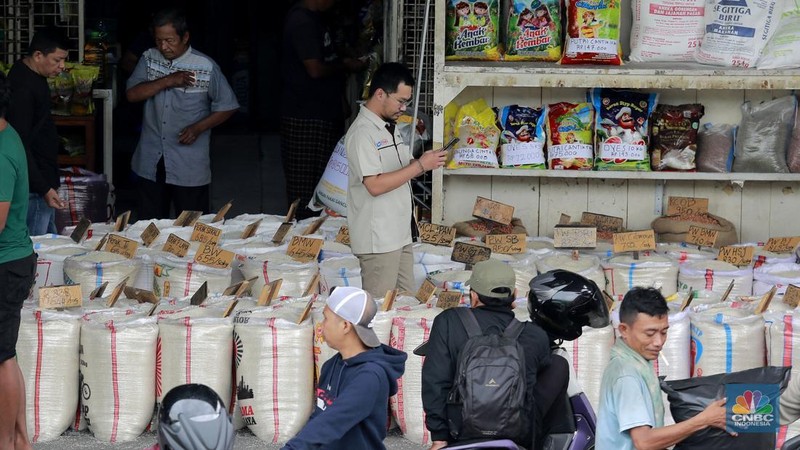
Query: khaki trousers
x: 381, y: 272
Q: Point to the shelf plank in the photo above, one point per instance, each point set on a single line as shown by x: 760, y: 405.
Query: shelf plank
x: 688, y: 176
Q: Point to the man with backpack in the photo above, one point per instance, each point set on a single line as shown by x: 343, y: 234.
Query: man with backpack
x: 507, y: 353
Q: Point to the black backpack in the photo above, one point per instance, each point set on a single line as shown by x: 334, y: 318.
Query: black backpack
x: 490, y: 384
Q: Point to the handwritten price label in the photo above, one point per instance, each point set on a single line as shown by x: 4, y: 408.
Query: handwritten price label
x: 738, y: 256
x: 304, y: 249
x: 343, y: 237
x: 492, y: 210
x: 792, y: 296
x: 60, y: 296
x: 121, y: 246
x: 782, y: 244
x: 149, y: 234
x: 575, y: 237
x: 205, y: 233
x: 213, y: 256
x: 687, y: 206
x: 176, y: 246
x: 280, y: 233
x: 426, y: 291
x: 602, y: 222
x: 187, y: 218
x: 634, y: 241
x: 703, y: 237
x: 250, y: 230
x: 448, y: 299
x: 122, y: 221
x: 470, y: 253
x: 432, y: 233
x: 506, y: 243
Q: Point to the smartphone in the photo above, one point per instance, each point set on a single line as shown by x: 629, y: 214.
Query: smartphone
x: 450, y: 144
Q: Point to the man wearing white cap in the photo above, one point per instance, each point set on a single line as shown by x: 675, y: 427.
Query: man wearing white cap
x: 355, y: 384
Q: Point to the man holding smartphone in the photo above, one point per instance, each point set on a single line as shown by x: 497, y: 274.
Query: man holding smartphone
x: 379, y: 203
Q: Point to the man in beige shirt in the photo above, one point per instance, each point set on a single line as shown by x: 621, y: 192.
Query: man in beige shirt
x: 379, y: 192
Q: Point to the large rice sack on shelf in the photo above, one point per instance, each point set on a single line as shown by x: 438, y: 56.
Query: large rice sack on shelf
x: 271, y: 266
x: 726, y: 340
x: 623, y: 273
x: 779, y: 275
x: 533, y: 31
x: 783, y: 349
x: 275, y: 375
x: 675, y: 228
x: 47, y: 354
x: 86, y: 194
x: 409, y: 330
x: 570, y: 139
x: 587, y: 266
x: 181, y: 277
x: 94, y: 268
x: 589, y: 356
x: 522, y: 137
x: 715, y: 276
x: 621, y: 128
x: 682, y: 252
x: 472, y: 30
x: 50, y: 266
x: 736, y: 33
x: 118, y: 360
x: 195, y: 350
x: 345, y: 271
x: 666, y: 31
x: 764, y: 134
x: 592, y: 33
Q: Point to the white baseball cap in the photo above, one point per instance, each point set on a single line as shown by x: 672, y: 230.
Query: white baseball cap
x: 357, y: 307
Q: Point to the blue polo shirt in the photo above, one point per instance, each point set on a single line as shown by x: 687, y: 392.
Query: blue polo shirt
x: 172, y: 110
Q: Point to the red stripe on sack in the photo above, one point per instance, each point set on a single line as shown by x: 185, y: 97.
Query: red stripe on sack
x: 38, y: 375
x: 684, y: 256
x: 276, y: 420
x: 187, y: 322
x: 760, y: 260
x: 188, y: 281
x: 264, y: 270
x: 788, y: 334
x: 114, y: 380
x: 401, y: 340
x: 426, y: 332
x: 709, y: 279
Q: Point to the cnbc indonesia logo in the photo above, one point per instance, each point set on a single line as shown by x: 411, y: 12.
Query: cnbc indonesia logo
x: 752, y: 409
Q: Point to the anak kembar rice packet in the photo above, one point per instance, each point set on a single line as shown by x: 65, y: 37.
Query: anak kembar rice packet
x: 533, y: 31
x: 472, y: 29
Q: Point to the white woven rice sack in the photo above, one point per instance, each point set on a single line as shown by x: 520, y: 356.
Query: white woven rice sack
x: 783, y: 349
x: 540, y: 245
x: 454, y: 280
x: 195, y: 350
x: 778, y: 275
x: 184, y: 233
x: 345, y: 271
x: 715, y: 276
x: 146, y: 275
x: 50, y: 265
x: 273, y: 265
x: 665, y: 31
x: 94, y: 233
x: 47, y: 241
x: 761, y: 256
x: 589, y: 355
x: 181, y: 277
x: 623, y: 273
x: 333, y: 249
x: 682, y: 252
x: 47, y: 353
x: 94, y: 268
x: 134, y: 230
x: 409, y: 330
x: 118, y: 359
x: 275, y: 375
x: 587, y: 266
x: 266, y: 219
x: 726, y: 340
x: 422, y: 271
x: 431, y: 254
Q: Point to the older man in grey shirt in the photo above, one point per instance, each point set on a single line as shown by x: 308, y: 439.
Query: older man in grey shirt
x: 185, y: 95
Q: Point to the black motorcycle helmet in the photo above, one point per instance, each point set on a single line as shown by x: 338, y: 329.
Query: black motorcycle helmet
x: 563, y: 302
x: 193, y: 417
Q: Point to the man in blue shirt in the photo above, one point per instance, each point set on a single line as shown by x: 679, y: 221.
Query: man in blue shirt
x: 631, y: 413
x: 185, y: 95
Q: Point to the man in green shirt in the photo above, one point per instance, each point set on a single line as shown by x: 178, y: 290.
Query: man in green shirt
x: 17, y: 271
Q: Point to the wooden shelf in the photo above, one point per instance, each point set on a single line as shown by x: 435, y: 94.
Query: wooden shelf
x: 87, y: 122
x: 618, y: 174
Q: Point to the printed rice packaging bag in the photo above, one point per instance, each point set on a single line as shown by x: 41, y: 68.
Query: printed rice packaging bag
x: 472, y: 30
x: 522, y: 137
x: 780, y: 52
x: 569, y: 136
x: 736, y: 31
x: 533, y: 31
x: 673, y: 136
x: 666, y: 30
x: 593, y: 32
x: 621, y: 128
x: 478, y: 137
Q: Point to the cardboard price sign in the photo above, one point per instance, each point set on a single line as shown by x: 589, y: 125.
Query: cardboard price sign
x: 112, y: 299
x: 782, y: 244
x: 492, y: 210
x: 176, y: 246
x: 102, y: 243
x: 80, y: 230
x: 222, y: 211
x: 140, y: 295
x: 122, y: 221
x: 312, y: 287
x: 211, y: 255
x: 304, y: 249
x: 766, y: 300
x: 66, y: 296
x: 121, y: 246
x: 200, y: 295
x: 425, y: 291
x: 250, y: 230
x: 574, y: 237
x: 292, y: 211
x: 686, y: 206
x: 315, y: 226
x: 738, y: 256
x: 306, y: 310
x: 703, y: 237
x: 448, y: 299
x: 470, y: 253
x: 602, y: 222
x: 205, y: 233
x: 564, y: 219
x: 270, y: 292
x: 187, y: 218
x: 149, y: 234
x: 792, y: 296
x: 388, y: 300
x: 98, y: 291
x: 343, y: 236
x: 507, y: 243
x: 634, y: 241
x: 432, y: 233
x: 281, y: 232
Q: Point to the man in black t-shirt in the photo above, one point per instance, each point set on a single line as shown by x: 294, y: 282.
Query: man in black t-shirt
x: 312, y: 115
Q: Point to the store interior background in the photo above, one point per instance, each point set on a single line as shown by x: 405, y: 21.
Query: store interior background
x: 245, y: 153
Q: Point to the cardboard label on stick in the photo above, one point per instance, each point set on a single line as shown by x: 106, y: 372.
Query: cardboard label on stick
x: 98, y: 291
x: 176, y: 246
x: 200, y: 295
x: 564, y: 219
x: 205, y: 233
x: 306, y: 310
x: 792, y: 295
x: 687, y: 206
x: 492, y: 210
x: 292, y: 211
x: 304, y: 249
x: 343, y: 236
x: 315, y: 226
x: 426, y: 291
x: 121, y: 246
x: 187, y: 218
x: 222, y: 211
x: 507, y: 243
x: 122, y: 221
x: 140, y: 295
x: 574, y: 236
x: 738, y: 256
x: 80, y: 230
x: 448, y: 299
x: 112, y: 299
x: 432, y: 233
x: 470, y: 253
x: 603, y: 222
x: 149, y: 234
x: 703, y: 237
x: 782, y: 244
x: 388, y: 300
x: 634, y: 241
x: 211, y: 255
x: 280, y: 233
x: 66, y: 296
x: 766, y: 300
x: 250, y: 230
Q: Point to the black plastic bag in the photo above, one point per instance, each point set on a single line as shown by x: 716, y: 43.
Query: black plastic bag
x: 689, y: 397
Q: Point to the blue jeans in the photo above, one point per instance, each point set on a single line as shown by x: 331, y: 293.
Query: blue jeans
x: 41, y: 217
